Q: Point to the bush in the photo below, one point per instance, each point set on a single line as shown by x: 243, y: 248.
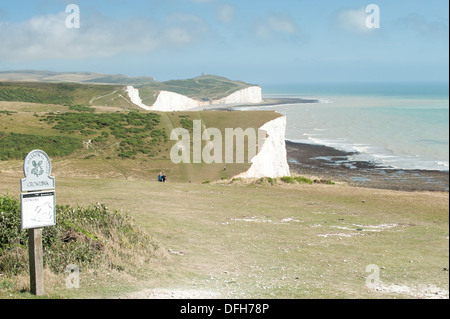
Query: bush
x: 81, y: 108
x: 17, y: 146
x: 266, y: 180
x: 12, y: 238
x: 136, y: 132
x: 303, y: 180
x: 186, y: 123
x: 87, y: 237
x: 298, y: 179
x: 288, y: 179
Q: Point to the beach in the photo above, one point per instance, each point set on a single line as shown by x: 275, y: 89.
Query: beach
x: 328, y: 163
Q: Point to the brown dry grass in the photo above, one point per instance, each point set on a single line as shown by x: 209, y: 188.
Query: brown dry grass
x: 287, y: 241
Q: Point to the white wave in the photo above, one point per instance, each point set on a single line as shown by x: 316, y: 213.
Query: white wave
x: 445, y: 164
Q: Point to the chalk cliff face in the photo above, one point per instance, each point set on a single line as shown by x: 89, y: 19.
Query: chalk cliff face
x: 271, y: 161
x: 170, y: 101
x: 249, y: 95
x: 135, y: 98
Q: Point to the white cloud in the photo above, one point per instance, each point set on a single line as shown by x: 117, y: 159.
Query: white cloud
x: 276, y: 27
x: 282, y: 23
x: 353, y: 20
x: 47, y: 37
x: 226, y: 13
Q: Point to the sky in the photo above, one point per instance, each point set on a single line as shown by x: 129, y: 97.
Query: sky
x: 256, y: 41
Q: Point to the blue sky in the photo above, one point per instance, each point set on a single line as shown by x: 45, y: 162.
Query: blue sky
x: 261, y: 42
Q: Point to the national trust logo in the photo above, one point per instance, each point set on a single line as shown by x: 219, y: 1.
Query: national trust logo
x: 37, y: 163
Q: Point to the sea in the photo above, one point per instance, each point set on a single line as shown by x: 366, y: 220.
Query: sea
x: 396, y: 125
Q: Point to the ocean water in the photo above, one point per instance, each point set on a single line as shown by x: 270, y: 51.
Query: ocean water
x: 398, y: 125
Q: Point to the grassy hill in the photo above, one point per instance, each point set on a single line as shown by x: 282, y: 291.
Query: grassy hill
x: 66, y: 94
x: 105, y: 90
x: 207, y: 87
x: 116, y: 140
x: 75, y: 77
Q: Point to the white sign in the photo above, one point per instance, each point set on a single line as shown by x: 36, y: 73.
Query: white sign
x: 37, y: 169
x: 38, y: 209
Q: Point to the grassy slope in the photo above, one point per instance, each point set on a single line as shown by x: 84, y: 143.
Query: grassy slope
x: 285, y: 241
x: 54, y: 93
x: 102, y: 160
x: 78, y: 77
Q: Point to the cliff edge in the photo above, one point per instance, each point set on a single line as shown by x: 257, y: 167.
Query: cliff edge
x: 171, y: 101
x: 271, y: 161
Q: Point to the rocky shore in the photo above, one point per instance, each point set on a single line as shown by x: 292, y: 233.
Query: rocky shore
x: 332, y: 164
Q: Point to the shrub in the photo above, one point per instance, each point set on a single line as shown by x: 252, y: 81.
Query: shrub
x: 303, y: 180
x: 288, y: 179
x: 136, y: 132
x: 266, y: 180
x: 186, y: 123
x: 87, y: 237
x: 81, y: 108
x: 17, y: 146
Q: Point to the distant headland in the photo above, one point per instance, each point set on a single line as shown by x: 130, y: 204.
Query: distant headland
x: 199, y: 93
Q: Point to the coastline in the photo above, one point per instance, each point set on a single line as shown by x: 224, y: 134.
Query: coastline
x: 281, y: 101
x: 332, y: 164
x: 323, y: 162
x: 265, y: 102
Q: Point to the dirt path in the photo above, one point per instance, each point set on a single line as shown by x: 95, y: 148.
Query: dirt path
x: 99, y: 97
x: 172, y: 294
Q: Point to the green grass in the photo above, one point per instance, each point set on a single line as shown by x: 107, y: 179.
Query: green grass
x: 135, y: 132
x: 17, y: 146
x: 304, y: 180
x: 53, y: 93
x: 201, y: 88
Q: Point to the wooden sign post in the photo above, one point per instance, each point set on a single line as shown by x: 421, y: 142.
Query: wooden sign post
x: 37, y: 202
x: 36, y: 262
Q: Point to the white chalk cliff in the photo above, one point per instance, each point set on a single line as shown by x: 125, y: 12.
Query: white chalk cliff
x: 271, y: 160
x: 251, y: 95
x: 170, y: 101
x: 135, y: 98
